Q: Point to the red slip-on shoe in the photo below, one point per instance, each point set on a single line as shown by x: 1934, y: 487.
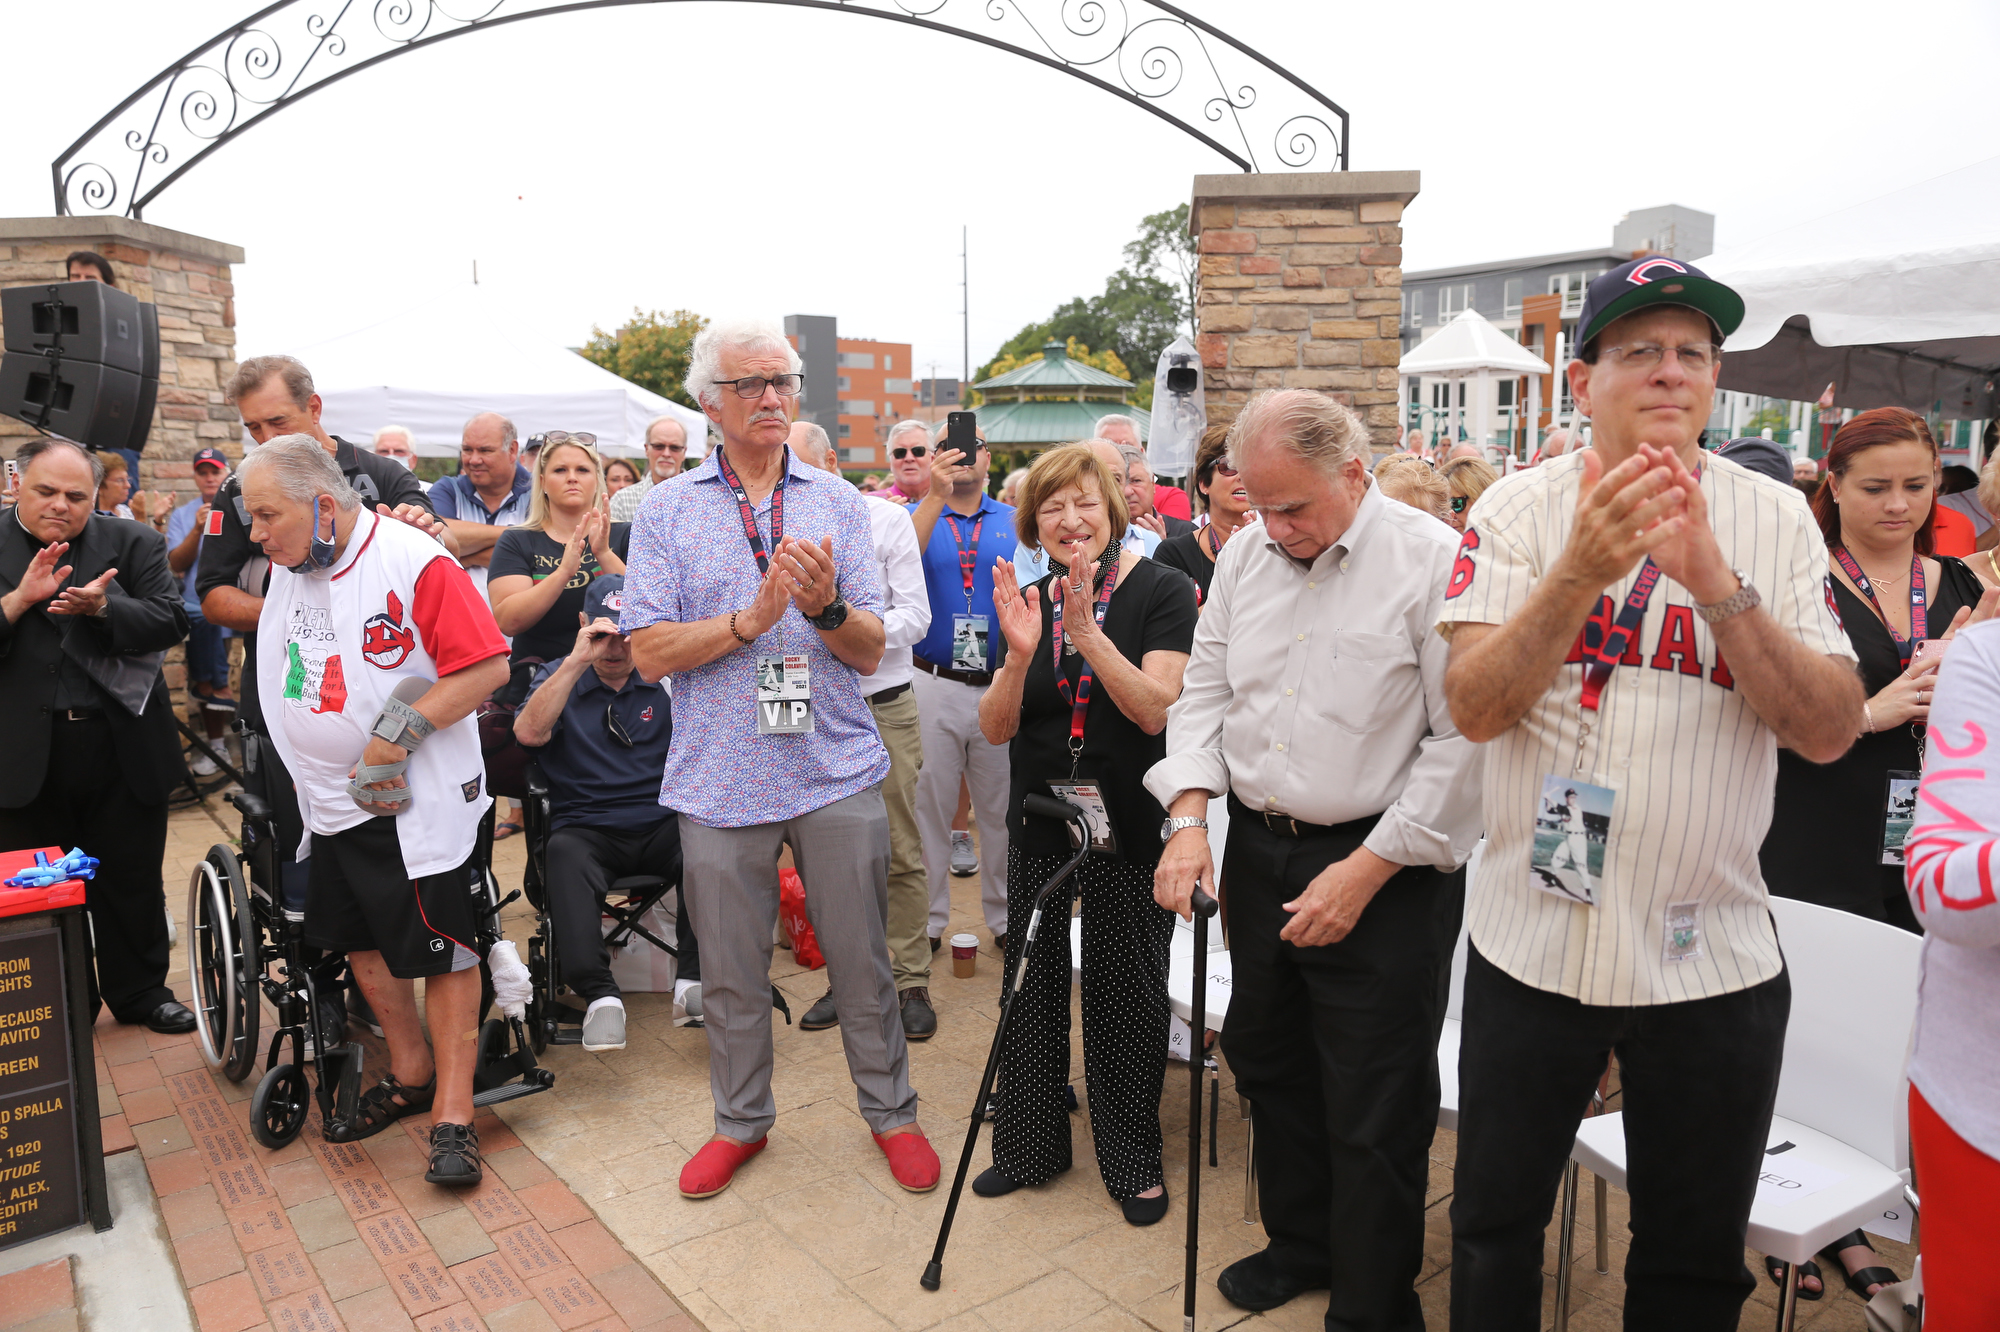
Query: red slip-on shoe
x: 911, y: 1160
x: 709, y: 1171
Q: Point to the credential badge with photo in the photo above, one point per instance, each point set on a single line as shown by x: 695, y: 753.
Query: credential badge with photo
x: 1572, y: 830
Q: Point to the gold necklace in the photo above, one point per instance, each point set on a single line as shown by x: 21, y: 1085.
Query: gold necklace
x: 1993, y: 565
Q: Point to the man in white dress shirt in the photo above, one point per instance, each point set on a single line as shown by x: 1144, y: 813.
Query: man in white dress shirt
x: 1315, y: 700
x: 1644, y: 624
x: 906, y: 618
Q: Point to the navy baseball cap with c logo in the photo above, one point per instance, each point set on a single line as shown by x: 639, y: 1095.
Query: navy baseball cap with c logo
x: 1656, y: 280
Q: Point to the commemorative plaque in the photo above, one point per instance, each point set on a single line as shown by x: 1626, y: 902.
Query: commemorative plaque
x: 40, y: 1184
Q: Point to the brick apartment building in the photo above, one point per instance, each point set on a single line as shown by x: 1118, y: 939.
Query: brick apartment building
x: 856, y: 388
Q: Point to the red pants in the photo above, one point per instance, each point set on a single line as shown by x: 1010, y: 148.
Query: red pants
x: 1960, y: 1189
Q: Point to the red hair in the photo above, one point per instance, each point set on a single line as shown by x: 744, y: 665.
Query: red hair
x: 1872, y: 429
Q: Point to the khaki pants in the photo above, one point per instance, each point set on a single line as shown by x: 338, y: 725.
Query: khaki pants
x: 909, y: 893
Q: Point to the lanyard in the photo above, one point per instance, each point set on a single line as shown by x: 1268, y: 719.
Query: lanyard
x: 1600, y: 663
x: 749, y: 513
x: 1079, y: 700
x: 968, y: 560
x: 1904, y: 646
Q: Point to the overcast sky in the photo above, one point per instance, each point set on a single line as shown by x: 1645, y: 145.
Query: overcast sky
x: 751, y: 159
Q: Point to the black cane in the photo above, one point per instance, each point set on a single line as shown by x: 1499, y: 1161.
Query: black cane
x: 1203, y: 907
x: 1047, y: 808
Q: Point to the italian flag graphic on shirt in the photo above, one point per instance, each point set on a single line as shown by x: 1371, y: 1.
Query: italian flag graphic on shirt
x: 314, y: 679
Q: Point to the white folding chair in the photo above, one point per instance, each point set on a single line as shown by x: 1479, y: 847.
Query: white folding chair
x: 1842, y: 1103
x: 1454, y: 1009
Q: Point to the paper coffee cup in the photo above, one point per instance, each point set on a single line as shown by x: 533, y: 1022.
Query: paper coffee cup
x: 964, y: 955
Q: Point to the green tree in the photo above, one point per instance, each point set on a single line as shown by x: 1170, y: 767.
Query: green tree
x: 1165, y: 243
x: 651, y: 350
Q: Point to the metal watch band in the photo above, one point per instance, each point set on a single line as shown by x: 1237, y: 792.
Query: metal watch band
x: 1743, y: 599
x: 1172, y: 826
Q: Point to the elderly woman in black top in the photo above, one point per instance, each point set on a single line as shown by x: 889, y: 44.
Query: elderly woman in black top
x: 1095, y: 655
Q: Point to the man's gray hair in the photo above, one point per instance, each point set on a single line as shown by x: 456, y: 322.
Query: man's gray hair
x: 42, y: 444
x: 1118, y: 418
x: 250, y: 377
x: 705, y: 361
x: 301, y: 469
x: 671, y: 420
x: 816, y: 437
x: 909, y: 423
x: 1312, y: 425
x: 1131, y: 455
x: 508, y: 434
x: 409, y: 436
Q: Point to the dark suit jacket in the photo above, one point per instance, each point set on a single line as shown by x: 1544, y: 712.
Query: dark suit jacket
x: 143, y: 613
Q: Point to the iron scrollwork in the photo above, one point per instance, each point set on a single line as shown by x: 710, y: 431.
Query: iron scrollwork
x: 1147, y: 52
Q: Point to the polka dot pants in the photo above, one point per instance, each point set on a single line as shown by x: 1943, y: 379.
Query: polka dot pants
x: 1125, y: 948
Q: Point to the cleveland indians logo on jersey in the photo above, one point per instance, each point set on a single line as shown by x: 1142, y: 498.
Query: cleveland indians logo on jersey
x: 385, y: 640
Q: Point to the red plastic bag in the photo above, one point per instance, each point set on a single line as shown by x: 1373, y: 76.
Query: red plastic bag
x: 792, y: 907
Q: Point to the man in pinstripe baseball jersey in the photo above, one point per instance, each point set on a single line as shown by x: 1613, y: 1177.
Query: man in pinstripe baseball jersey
x: 1643, y: 625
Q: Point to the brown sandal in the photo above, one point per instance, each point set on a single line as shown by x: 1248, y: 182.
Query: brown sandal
x: 386, y: 1102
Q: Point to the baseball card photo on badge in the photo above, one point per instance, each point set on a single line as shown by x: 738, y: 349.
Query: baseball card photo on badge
x: 784, y: 695
x: 1899, y: 811
x: 1572, y: 827
x: 968, y: 642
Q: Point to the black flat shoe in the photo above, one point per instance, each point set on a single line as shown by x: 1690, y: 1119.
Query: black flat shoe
x: 992, y: 1184
x: 1261, y: 1282
x: 172, y: 1018
x: 454, y: 1156
x: 821, y: 1015
x: 1145, y: 1211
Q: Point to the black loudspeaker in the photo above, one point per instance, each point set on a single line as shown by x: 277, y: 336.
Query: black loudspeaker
x: 95, y: 405
x: 82, y: 360
x: 96, y: 323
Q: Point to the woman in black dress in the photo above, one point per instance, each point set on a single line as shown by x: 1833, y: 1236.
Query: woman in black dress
x: 1828, y: 822
x: 1222, y: 499
x: 1126, y: 627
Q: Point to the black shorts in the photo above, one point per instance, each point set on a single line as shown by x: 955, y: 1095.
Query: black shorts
x: 360, y: 899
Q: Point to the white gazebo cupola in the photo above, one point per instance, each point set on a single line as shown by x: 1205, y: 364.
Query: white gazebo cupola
x: 1471, y: 345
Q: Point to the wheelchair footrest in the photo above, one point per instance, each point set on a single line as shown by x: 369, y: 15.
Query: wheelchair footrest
x: 567, y: 1036
x: 513, y: 1091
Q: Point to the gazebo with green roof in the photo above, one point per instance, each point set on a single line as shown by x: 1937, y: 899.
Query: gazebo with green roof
x: 1052, y: 401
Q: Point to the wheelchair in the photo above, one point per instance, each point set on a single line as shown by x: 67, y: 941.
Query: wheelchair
x: 247, y: 945
x: 551, y: 1019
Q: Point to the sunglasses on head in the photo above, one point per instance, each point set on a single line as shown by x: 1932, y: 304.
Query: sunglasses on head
x: 583, y: 437
x: 914, y: 451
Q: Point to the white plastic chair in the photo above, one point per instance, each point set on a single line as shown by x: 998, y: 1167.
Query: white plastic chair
x: 1842, y: 1101
x: 1454, y: 1007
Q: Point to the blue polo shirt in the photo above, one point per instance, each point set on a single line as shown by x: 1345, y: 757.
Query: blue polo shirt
x: 945, y: 580
x: 455, y: 497
x: 594, y: 780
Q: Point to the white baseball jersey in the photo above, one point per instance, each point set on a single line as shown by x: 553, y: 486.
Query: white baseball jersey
x: 394, y: 606
x: 1693, y: 766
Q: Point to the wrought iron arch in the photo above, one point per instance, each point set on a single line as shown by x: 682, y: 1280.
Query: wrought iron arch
x: 1148, y: 52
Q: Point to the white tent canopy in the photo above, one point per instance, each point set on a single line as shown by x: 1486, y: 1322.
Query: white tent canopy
x: 1895, y: 300
x: 435, y: 365
x: 1471, y: 345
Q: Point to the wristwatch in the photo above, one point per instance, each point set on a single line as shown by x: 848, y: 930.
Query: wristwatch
x: 1742, y: 599
x: 833, y: 616
x: 1171, y: 826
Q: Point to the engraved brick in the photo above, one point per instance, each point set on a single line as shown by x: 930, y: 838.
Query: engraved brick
x: 343, y: 1160
x: 308, y: 1311
x: 192, y: 1085
x: 495, y: 1205
x: 458, y: 1318
x: 569, y: 1298
x: 490, y: 1283
x: 241, y: 1185
x: 529, y: 1250
x: 421, y: 1284
x: 366, y: 1196
x: 280, y: 1271
x: 392, y: 1236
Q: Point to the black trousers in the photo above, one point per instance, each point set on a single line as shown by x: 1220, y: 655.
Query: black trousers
x: 582, y: 862
x: 84, y: 802
x: 1336, y: 1047
x: 1700, y: 1079
x: 1126, y: 938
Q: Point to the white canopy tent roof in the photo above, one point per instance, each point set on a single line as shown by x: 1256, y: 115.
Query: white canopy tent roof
x: 433, y: 366
x: 1895, y: 301
x: 1471, y: 345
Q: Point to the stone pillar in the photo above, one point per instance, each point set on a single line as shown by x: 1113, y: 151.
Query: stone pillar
x: 1301, y: 286
x: 188, y: 278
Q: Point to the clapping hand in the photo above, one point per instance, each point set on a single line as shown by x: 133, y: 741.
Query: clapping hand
x: 810, y: 574
x: 600, y: 535
x: 1019, y: 612
x: 757, y: 618
x: 43, y: 579
x: 86, y: 600
x: 1621, y: 516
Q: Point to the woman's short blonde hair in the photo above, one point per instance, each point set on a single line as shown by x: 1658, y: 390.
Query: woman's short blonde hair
x: 538, y: 503
x: 1469, y: 477
x: 1410, y: 480
x: 1056, y: 471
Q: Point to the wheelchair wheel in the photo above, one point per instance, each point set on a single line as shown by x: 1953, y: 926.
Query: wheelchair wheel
x: 223, y: 953
x: 279, y: 1106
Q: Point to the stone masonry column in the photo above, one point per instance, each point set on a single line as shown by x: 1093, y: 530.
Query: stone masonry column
x: 1301, y: 286
x: 188, y: 278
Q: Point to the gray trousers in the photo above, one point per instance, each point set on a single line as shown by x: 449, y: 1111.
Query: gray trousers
x: 731, y: 876
x: 954, y: 747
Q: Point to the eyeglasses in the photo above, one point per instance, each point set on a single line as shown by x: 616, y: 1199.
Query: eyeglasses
x: 1458, y: 503
x: 616, y: 727
x: 583, y: 437
x: 915, y: 451
x: 1224, y: 469
x: 753, y: 386
x: 667, y: 448
x: 1698, y: 357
